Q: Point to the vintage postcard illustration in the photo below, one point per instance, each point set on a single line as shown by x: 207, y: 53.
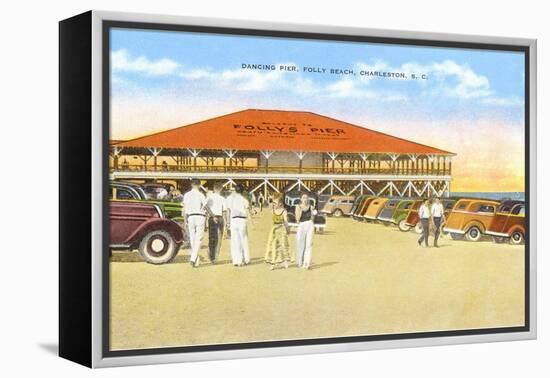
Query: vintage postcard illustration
x: 271, y: 188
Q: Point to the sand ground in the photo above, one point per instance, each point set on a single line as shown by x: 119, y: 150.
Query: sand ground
x: 366, y: 279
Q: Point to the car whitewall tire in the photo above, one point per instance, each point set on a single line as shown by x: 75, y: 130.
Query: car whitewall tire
x: 473, y: 234
x: 516, y: 238
x: 403, y: 226
x: 158, y: 247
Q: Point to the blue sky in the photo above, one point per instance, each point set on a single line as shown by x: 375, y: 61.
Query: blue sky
x: 459, y: 80
x: 471, y: 103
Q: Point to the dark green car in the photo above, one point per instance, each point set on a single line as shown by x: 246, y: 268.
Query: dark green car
x: 399, y: 216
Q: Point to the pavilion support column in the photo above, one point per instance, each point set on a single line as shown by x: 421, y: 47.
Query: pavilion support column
x: 412, y: 159
x: 301, y: 156
x: 332, y: 156
x: 393, y: 163
x: 431, y: 162
x: 361, y: 163
x: 266, y: 155
x: 194, y: 153
x: 155, y: 152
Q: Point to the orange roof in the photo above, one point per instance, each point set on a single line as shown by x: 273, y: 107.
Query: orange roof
x: 279, y: 130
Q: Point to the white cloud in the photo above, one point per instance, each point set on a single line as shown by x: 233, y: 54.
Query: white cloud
x: 121, y: 60
x: 445, y: 78
x: 347, y: 88
x: 256, y: 80
x: 451, y: 79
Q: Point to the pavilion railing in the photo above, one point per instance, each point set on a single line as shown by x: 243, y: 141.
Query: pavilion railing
x: 274, y: 169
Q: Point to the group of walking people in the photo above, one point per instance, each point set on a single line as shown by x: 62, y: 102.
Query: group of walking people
x: 233, y: 214
x: 431, y: 214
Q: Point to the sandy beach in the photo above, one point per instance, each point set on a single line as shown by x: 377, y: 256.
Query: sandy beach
x: 366, y: 279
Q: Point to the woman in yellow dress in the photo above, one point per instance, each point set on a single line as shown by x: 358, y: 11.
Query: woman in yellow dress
x: 278, y: 247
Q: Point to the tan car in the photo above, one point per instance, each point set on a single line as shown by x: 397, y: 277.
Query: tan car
x: 375, y: 208
x: 338, y: 205
x: 470, y: 218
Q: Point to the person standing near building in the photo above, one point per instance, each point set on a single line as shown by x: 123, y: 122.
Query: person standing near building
x: 438, y: 218
x: 237, y: 214
x: 216, y: 203
x: 304, y: 234
x: 253, y: 199
x: 194, y: 202
x: 278, y: 248
x: 424, y: 216
x: 261, y: 201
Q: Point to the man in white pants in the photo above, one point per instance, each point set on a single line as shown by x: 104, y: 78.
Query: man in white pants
x: 194, y: 202
x: 237, y: 212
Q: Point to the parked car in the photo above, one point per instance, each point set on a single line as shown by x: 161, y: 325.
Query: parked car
x: 470, y: 218
x: 357, y: 202
x: 508, y: 223
x: 142, y: 226
x: 375, y: 208
x: 292, y: 198
x: 338, y: 206
x: 386, y: 214
x: 399, y: 216
x: 322, y: 199
x: 362, y: 208
x: 125, y: 191
x: 412, y: 219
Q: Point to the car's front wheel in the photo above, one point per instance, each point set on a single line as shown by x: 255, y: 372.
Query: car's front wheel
x: 403, y: 226
x: 473, y: 234
x: 516, y: 237
x: 338, y: 213
x: 158, y: 247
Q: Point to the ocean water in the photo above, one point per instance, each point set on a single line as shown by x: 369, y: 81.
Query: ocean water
x: 499, y: 196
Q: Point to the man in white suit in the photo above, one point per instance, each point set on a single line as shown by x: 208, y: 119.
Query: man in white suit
x: 194, y: 202
x: 237, y: 212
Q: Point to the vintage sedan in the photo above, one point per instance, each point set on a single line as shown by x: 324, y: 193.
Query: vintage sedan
x: 399, y: 216
x: 386, y: 214
x: 142, y: 226
x: 362, y: 208
x: 412, y: 219
x: 357, y: 203
x: 125, y: 191
x: 338, y: 205
x: 508, y: 223
x: 375, y: 208
x: 470, y: 218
